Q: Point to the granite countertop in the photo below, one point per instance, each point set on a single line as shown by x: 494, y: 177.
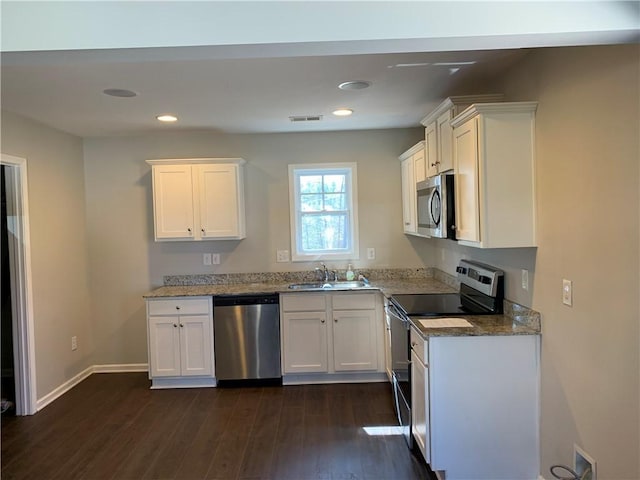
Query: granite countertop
x: 387, y: 287
x: 482, y: 325
x: 516, y: 320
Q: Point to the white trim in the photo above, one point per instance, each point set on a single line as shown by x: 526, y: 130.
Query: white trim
x: 121, y: 368
x: 160, y: 383
x: 64, y: 388
x: 22, y: 295
x: 317, y: 378
x: 191, y: 161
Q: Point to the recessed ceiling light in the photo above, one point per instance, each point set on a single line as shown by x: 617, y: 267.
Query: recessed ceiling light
x: 354, y: 85
x: 167, y: 118
x: 119, y: 92
x: 342, y: 112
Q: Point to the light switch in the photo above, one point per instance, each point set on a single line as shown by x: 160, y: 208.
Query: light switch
x: 215, y: 258
x: 371, y: 253
x: 206, y: 259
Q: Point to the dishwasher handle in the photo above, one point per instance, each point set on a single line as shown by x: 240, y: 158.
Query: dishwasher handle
x: 233, y: 300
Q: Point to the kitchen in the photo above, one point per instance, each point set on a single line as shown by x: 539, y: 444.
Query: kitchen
x: 107, y: 182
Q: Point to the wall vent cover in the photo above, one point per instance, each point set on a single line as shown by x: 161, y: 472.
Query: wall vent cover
x: 305, y: 118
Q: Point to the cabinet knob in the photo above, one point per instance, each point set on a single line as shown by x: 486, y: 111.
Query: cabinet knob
x: 175, y: 326
x: 413, y: 344
x: 177, y: 307
x: 433, y: 164
x: 322, y: 321
x: 202, y: 230
x: 189, y: 230
x: 335, y: 320
x: 181, y: 325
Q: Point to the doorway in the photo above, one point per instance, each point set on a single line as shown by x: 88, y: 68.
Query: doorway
x: 18, y: 363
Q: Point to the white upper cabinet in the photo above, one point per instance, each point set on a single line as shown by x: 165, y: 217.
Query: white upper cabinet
x: 493, y: 153
x: 410, y: 161
x: 439, y: 133
x: 198, y: 199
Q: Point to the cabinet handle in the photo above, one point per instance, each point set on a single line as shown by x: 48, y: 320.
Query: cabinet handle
x: 407, y: 223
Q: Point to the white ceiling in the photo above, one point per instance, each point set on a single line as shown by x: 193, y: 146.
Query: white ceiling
x: 256, y: 86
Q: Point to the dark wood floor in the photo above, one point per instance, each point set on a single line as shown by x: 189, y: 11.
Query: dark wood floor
x: 112, y: 426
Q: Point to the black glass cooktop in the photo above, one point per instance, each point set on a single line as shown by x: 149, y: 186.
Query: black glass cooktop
x: 424, y: 305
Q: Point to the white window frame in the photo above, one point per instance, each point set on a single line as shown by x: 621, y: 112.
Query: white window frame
x: 295, y: 214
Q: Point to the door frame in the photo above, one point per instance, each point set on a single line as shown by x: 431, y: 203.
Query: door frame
x: 21, y: 284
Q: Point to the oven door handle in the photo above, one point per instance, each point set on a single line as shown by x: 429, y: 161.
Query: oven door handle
x: 392, y: 310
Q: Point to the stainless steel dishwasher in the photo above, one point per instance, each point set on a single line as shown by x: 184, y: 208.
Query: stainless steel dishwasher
x: 247, y: 339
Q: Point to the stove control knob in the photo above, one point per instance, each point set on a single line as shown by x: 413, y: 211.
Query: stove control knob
x: 484, y: 279
x: 461, y: 270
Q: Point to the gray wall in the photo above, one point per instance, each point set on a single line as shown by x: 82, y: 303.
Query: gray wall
x: 588, y: 158
x: 125, y: 262
x: 59, y: 266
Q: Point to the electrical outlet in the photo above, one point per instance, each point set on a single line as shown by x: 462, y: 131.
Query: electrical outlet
x: 567, y: 292
x: 371, y: 253
x: 583, y: 464
x: 74, y: 343
x: 525, y: 279
x: 206, y: 259
x: 215, y: 258
x: 282, y: 256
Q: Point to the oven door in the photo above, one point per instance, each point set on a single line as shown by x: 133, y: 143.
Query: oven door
x: 400, y: 368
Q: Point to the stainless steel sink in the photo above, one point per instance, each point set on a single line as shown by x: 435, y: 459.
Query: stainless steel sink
x: 344, y: 285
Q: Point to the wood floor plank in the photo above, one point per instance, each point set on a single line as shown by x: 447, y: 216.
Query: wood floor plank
x: 112, y: 426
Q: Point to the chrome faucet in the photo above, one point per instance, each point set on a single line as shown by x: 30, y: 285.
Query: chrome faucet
x: 323, y: 271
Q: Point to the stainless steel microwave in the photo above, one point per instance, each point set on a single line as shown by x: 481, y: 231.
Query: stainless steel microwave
x: 435, y: 206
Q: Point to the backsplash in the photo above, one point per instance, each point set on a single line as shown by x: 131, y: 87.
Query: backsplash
x: 294, y: 277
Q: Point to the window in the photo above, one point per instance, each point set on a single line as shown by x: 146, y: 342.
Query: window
x: 324, y: 220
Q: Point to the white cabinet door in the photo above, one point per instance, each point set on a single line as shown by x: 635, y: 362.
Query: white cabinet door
x: 431, y: 149
x: 164, y: 346
x: 409, y: 214
x: 195, y: 345
x: 173, y: 202
x: 445, y: 141
x: 465, y: 147
x: 220, y: 201
x: 420, y: 406
x: 355, y: 340
x: 305, y: 342
x: 419, y: 166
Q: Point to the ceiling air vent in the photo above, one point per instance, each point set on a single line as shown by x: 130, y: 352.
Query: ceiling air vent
x: 305, y: 118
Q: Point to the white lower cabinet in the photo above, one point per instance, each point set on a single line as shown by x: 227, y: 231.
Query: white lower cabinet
x: 475, y: 405
x: 305, y: 341
x: 180, y: 342
x: 332, y: 333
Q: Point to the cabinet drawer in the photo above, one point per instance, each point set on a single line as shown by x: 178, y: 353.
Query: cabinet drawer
x: 303, y: 302
x: 354, y: 301
x: 420, y: 346
x: 179, y: 306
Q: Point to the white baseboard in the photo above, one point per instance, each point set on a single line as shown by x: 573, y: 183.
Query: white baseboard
x: 69, y: 384
x: 121, y: 368
x: 64, y: 388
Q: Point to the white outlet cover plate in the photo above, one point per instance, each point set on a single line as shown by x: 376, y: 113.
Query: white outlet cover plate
x: 215, y: 258
x: 282, y: 256
x: 371, y: 253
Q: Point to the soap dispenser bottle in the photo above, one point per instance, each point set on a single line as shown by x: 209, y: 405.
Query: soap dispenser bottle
x: 350, y: 275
